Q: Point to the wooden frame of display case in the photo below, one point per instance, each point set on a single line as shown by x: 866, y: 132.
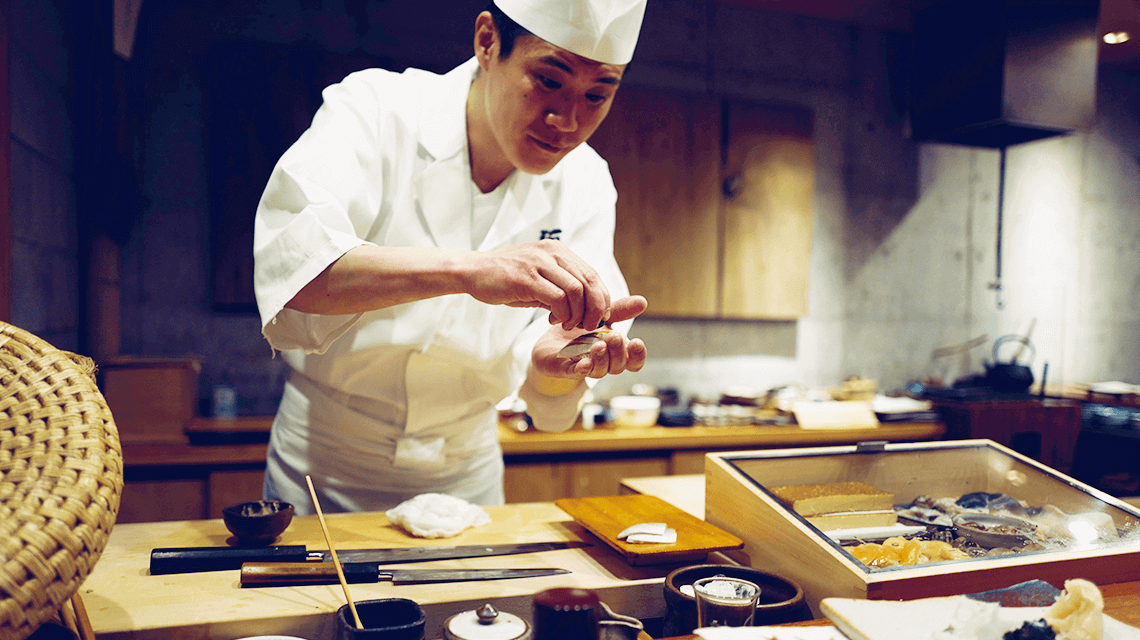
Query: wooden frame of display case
x: 783, y: 542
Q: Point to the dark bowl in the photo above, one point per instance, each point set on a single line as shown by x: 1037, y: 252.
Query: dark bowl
x: 781, y: 600
x: 382, y: 619
x: 994, y: 532
x: 258, y: 522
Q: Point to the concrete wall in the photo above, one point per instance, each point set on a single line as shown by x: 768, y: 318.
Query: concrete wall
x: 45, y: 258
x: 1071, y: 231
x: 904, y: 239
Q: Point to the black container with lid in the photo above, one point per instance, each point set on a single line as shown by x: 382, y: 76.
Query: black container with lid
x: 566, y: 613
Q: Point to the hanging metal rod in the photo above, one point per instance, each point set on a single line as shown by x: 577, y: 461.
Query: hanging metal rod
x: 996, y: 284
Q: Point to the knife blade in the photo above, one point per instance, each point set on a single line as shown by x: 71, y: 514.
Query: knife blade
x: 292, y: 574
x: 165, y: 561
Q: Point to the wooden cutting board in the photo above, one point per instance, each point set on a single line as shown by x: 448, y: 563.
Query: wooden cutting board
x: 607, y: 516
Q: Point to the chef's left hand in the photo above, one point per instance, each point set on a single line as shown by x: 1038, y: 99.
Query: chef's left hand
x: 615, y: 354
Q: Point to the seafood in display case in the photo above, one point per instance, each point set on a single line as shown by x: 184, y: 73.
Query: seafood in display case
x: 907, y: 521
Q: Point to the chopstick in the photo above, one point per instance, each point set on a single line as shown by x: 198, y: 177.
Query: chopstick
x: 67, y: 617
x: 332, y: 552
x: 82, y: 620
x: 74, y: 617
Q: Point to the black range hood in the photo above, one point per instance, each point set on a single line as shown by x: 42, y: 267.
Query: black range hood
x: 993, y: 73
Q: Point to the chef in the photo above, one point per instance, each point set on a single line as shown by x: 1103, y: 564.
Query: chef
x: 428, y: 246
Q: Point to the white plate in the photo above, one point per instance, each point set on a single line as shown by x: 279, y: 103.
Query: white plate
x: 921, y: 619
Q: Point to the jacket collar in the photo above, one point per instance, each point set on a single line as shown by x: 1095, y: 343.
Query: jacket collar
x: 443, y: 111
x: 445, y: 187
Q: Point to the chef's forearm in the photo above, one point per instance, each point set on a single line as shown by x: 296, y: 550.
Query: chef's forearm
x: 370, y: 277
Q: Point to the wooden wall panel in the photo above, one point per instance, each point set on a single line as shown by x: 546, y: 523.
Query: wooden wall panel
x: 535, y: 482
x: 230, y: 487
x: 664, y: 154
x: 5, y: 171
x: 714, y: 212
x: 162, y: 500
x: 603, y: 477
x: 768, y: 218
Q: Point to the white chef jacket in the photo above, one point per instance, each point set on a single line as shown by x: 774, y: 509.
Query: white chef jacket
x: 388, y: 404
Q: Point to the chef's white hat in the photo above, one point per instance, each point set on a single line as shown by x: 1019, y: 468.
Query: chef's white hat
x: 601, y: 30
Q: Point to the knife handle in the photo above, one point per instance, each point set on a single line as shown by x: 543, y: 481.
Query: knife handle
x: 287, y: 574
x: 195, y: 559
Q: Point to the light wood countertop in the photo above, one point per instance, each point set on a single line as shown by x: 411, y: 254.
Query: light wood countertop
x: 124, y: 601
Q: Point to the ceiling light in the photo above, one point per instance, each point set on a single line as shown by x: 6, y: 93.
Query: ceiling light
x: 1116, y: 37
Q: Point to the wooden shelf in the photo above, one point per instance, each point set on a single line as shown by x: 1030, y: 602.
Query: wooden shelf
x: 141, y: 455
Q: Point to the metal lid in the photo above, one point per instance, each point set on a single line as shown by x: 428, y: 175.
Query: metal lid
x: 486, y: 623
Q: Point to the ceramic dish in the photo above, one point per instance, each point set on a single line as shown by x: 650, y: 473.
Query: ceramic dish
x: 258, y: 522
x: 994, y: 532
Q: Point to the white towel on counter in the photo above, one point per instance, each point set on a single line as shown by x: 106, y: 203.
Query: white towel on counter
x: 437, y: 515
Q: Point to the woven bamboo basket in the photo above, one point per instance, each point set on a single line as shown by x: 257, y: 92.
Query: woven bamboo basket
x: 61, y: 477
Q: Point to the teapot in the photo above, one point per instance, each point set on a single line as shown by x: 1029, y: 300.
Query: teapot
x: 1010, y: 377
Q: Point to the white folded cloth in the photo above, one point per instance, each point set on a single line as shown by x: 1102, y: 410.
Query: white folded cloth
x: 437, y: 515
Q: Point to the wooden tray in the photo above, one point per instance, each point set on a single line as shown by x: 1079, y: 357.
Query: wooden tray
x: 607, y: 516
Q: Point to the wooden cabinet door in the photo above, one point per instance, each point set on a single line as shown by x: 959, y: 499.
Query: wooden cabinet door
x: 664, y: 154
x: 162, y: 500
x: 714, y: 210
x: 767, y: 211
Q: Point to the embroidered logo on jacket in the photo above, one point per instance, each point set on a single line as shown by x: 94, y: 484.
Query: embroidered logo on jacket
x: 550, y: 234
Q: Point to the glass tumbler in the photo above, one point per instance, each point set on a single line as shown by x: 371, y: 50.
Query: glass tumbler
x: 725, y: 602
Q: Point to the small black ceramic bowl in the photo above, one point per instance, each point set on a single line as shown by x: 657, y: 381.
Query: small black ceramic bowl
x: 258, y: 522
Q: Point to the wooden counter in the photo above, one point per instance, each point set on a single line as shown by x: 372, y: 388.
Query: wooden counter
x: 124, y: 601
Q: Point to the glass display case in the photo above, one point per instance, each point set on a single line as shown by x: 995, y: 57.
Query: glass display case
x: 968, y: 516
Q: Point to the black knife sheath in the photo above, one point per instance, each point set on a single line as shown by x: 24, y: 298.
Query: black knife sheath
x: 191, y: 559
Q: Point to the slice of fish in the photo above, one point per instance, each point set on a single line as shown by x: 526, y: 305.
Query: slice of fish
x: 580, y: 346
x: 669, y: 537
x: 652, y: 528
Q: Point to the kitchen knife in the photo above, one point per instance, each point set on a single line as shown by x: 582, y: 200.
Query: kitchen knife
x: 287, y: 574
x: 170, y: 560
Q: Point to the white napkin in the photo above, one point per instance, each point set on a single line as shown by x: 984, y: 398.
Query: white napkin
x: 770, y: 633
x: 436, y: 515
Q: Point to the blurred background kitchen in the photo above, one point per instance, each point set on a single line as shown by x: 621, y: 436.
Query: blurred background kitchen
x: 781, y: 206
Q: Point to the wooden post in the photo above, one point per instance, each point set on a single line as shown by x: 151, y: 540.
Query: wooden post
x: 5, y: 171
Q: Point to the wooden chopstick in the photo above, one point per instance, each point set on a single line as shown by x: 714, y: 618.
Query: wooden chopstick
x: 82, y: 620
x: 332, y: 552
x: 67, y: 617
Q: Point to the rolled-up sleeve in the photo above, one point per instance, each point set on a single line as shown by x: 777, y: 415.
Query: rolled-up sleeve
x: 322, y: 197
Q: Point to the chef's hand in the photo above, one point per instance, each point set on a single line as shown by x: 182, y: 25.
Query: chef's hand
x: 612, y: 355
x: 542, y: 274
